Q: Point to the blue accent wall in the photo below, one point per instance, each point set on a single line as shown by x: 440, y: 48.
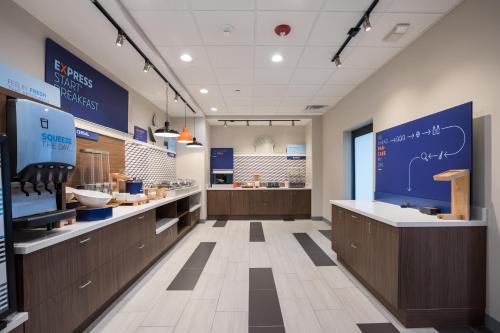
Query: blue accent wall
x: 409, y: 155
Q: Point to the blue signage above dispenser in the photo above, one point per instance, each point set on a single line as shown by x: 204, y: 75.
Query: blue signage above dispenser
x: 85, y: 92
x: 409, y: 155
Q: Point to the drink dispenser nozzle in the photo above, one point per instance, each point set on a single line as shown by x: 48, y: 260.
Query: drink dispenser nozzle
x: 46, y: 186
x: 24, y: 190
x: 36, y: 189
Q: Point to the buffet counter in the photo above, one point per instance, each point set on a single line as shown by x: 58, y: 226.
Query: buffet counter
x: 259, y: 203
x: 427, y: 272
x: 67, y: 277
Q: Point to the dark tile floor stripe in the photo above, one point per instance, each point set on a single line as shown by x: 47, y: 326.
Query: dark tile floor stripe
x: 326, y: 233
x: 220, y: 224
x: 256, y: 232
x: 464, y: 330
x: 264, y: 313
x: 317, y: 255
x: 188, y: 276
x: 378, y: 328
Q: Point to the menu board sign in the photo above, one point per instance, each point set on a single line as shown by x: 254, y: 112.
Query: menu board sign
x: 85, y: 92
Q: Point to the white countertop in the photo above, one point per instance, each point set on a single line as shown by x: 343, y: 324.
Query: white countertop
x: 27, y: 241
x: 255, y: 189
x: 14, y: 320
x: 405, y: 217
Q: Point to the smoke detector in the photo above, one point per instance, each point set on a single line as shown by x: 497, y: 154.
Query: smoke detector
x: 227, y: 29
x: 282, y: 30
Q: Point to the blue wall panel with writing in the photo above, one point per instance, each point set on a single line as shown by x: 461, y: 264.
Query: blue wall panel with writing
x: 409, y: 155
x: 85, y: 92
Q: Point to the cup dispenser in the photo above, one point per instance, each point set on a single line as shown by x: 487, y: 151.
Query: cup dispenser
x: 42, y: 145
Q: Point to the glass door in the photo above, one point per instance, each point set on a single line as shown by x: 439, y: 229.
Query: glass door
x: 362, y: 163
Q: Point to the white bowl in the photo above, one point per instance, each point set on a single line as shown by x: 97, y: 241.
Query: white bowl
x: 69, y: 193
x: 92, y: 199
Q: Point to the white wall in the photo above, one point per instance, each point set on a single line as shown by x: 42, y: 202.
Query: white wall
x: 22, y: 40
x: 242, y: 138
x: 456, y: 61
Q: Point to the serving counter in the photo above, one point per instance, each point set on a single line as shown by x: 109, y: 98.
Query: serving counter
x: 67, y: 277
x: 427, y: 272
x: 258, y: 203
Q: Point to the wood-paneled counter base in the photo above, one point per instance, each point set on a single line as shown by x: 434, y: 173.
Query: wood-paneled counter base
x: 426, y: 276
x: 262, y: 204
x: 64, y: 287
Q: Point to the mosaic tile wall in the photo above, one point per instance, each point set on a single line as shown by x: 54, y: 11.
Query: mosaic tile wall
x: 148, y: 163
x: 271, y: 168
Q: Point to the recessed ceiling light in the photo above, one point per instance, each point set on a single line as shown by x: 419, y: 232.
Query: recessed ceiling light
x: 204, y: 91
x: 227, y: 29
x: 186, y: 57
x: 214, y: 109
x: 277, y: 57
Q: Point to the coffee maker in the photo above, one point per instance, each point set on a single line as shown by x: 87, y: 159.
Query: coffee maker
x: 42, y: 145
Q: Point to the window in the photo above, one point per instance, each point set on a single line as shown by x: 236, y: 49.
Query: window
x: 362, y: 163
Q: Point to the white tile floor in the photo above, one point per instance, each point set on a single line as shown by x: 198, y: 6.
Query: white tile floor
x: 312, y: 299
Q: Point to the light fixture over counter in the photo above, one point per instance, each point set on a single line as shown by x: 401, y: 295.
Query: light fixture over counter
x: 246, y: 122
x: 166, y: 131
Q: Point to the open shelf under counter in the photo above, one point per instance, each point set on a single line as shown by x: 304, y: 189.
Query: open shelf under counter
x: 165, y: 223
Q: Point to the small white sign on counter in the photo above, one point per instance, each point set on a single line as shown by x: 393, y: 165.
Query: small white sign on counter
x: 22, y: 83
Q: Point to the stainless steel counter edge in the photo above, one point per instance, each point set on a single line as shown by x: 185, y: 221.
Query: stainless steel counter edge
x: 256, y: 189
x: 70, y: 231
x: 407, y: 217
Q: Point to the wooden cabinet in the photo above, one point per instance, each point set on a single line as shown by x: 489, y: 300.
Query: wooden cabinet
x: 219, y: 203
x: 426, y: 276
x: 65, y: 286
x: 242, y: 203
x: 259, y: 203
x: 301, y: 203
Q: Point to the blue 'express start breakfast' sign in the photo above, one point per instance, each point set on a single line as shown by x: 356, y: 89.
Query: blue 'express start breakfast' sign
x: 85, y: 92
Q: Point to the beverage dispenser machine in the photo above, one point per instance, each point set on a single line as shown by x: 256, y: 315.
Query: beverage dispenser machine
x: 42, y: 144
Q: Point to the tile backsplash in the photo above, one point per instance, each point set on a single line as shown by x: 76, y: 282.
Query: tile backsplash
x: 148, y: 163
x: 271, y: 168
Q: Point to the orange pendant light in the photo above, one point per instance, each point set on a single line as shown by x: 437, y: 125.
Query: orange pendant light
x: 186, y: 136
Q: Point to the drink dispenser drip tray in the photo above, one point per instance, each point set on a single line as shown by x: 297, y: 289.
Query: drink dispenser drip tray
x: 43, y: 219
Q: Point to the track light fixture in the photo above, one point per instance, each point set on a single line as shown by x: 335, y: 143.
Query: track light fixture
x: 366, y: 23
x: 225, y: 123
x: 120, y: 39
x: 147, y: 66
x: 338, y: 63
x: 293, y: 122
x: 270, y: 123
x: 176, y: 98
x: 248, y: 123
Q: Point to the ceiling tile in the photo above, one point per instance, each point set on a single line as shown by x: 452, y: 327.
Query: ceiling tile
x: 355, y: 5
x: 300, y: 22
x: 289, y: 5
x: 290, y: 109
x: 240, y: 110
x: 156, y: 5
x: 222, y: 4
x: 384, y: 23
x: 265, y: 110
x: 311, y: 76
x: 172, y: 55
x: 234, y: 75
x: 231, y: 90
x: 195, y: 75
x: 231, y: 56
x: 320, y: 56
x: 156, y: 23
x: 332, y: 28
x: 238, y: 101
x: 369, y: 57
x: 266, y: 101
x: 349, y: 76
x: 335, y: 90
x: 296, y: 101
x: 291, y: 55
x: 325, y: 100
x: 303, y: 90
x: 270, y: 90
x: 423, y: 6
x: 273, y: 75
x: 210, y: 24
